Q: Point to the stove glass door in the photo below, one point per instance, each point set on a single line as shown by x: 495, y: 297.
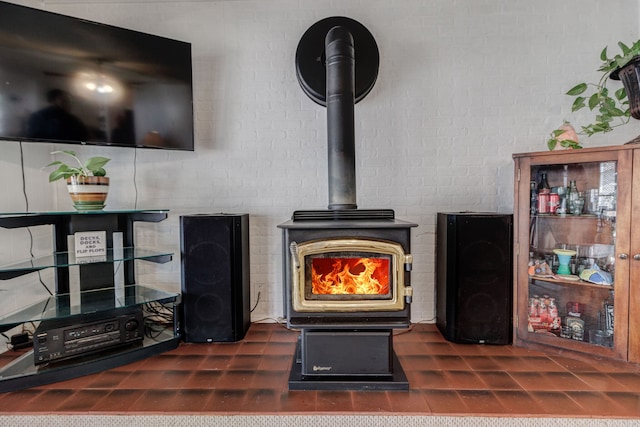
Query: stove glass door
x: 348, y: 275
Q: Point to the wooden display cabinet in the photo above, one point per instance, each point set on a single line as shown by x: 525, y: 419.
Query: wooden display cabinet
x: 604, y: 233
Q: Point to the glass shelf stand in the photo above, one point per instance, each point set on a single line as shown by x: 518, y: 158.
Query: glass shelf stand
x: 87, y: 290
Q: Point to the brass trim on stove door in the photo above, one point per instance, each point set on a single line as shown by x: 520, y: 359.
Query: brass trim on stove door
x: 301, y: 250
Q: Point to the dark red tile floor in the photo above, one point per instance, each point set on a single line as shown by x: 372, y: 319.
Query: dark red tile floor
x: 251, y: 377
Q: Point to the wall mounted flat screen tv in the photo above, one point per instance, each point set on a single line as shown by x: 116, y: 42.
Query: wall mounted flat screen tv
x: 69, y: 80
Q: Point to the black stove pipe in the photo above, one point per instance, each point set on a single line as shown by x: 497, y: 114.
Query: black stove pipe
x: 340, y: 67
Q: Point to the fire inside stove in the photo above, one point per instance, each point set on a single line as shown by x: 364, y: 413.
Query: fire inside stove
x: 356, y: 277
x: 349, y: 275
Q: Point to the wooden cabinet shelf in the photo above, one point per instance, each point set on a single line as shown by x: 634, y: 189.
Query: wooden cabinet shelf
x: 537, y: 279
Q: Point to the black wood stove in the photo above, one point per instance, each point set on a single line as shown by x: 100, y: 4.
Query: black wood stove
x: 363, y: 263
x: 346, y: 271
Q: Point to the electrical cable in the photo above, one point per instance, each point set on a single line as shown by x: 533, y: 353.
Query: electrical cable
x: 256, y: 304
x: 24, y: 181
x: 412, y: 325
x: 279, y: 321
x: 26, y: 200
x: 158, y: 318
x: 135, y: 184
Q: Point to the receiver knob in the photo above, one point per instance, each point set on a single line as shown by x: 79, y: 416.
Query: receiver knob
x: 131, y: 325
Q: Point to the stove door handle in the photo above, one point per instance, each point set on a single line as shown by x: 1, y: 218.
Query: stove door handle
x: 408, y: 262
x: 408, y: 294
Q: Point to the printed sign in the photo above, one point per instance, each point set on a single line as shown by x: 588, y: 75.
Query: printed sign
x: 90, y: 243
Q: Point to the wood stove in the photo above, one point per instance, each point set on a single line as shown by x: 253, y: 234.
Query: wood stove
x: 346, y: 287
x: 346, y: 272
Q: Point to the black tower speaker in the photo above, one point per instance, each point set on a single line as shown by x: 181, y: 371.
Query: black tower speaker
x: 215, y: 277
x: 474, y: 277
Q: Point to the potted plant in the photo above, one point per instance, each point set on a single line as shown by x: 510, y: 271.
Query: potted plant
x: 612, y: 109
x: 87, y: 182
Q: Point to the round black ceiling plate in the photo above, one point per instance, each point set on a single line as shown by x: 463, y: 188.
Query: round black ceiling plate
x: 310, y: 58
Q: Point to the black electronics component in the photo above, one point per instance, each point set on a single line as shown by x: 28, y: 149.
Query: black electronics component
x: 20, y: 341
x: 65, y: 338
x: 474, y: 296
x: 215, y: 277
x: 73, y: 81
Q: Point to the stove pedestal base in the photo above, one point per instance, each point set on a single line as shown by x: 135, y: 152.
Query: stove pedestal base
x: 398, y: 381
x: 346, y: 360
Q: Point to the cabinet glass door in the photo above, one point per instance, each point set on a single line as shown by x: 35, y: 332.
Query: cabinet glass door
x: 572, y: 246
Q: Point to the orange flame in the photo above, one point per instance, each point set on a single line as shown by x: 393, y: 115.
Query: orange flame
x: 350, y: 276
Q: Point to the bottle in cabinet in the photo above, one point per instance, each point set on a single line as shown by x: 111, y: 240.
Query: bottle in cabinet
x: 543, y: 195
x: 543, y: 186
x: 607, y: 310
x: 533, y: 198
x: 575, y: 200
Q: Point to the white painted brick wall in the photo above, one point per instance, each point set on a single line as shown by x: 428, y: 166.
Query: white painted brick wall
x: 463, y: 84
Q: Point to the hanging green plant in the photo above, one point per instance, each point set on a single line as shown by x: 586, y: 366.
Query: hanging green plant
x: 611, y: 108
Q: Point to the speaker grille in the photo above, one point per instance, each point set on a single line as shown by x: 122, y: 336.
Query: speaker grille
x: 473, y: 284
x: 215, y: 271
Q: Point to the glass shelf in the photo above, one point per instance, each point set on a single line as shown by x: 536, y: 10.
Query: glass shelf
x: 22, y: 372
x: 28, y: 219
x: 66, y: 259
x: 102, y: 212
x: 67, y: 305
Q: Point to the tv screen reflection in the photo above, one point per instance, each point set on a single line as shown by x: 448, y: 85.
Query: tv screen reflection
x: 64, y: 79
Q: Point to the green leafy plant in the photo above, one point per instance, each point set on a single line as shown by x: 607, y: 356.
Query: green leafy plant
x: 612, y: 109
x: 565, y: 136
x: 94, y: 166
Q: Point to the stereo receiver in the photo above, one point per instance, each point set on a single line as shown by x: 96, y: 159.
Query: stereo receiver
x: 60, y: 339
